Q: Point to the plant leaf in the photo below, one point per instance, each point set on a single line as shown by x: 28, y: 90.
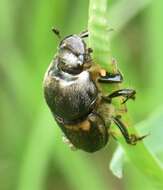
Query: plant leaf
x: 116, y: 164
x: 153, y: 145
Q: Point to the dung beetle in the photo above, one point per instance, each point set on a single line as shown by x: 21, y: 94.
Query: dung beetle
x: 72, y: 92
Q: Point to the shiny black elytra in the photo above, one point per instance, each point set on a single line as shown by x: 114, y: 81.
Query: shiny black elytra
x: 72, y: 92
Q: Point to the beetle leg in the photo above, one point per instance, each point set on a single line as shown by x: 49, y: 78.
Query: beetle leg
x: 126, y: 93
x: 84, y: 34
x: 130, y: 139
x: 111, y: 78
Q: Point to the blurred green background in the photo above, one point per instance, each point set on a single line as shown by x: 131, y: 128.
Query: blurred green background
x: 32, y: 155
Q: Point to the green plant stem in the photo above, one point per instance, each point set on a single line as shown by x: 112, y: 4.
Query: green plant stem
x: 99, y: 35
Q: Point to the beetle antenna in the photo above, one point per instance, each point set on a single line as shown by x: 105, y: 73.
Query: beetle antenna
x: 84, y: 34
x: 56, y: 32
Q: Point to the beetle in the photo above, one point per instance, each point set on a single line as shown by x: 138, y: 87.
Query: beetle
x: 72, y: 92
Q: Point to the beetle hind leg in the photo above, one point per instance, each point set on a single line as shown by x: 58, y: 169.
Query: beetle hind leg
x: 130, y: 138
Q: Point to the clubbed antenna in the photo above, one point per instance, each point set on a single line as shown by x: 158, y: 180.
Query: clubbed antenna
x: 56, y: 32
x: 84, y: 34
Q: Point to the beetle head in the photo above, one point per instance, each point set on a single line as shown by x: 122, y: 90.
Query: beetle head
x: 73, y: 55
x: 74, y: 43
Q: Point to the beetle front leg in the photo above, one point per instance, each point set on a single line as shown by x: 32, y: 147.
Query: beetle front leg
x: 126, y: 93
x: 111, y: 78
x: 130, y: 139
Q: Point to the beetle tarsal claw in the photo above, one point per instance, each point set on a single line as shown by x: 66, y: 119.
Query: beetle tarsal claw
x: 134, y: 139
x: 129, y: 97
